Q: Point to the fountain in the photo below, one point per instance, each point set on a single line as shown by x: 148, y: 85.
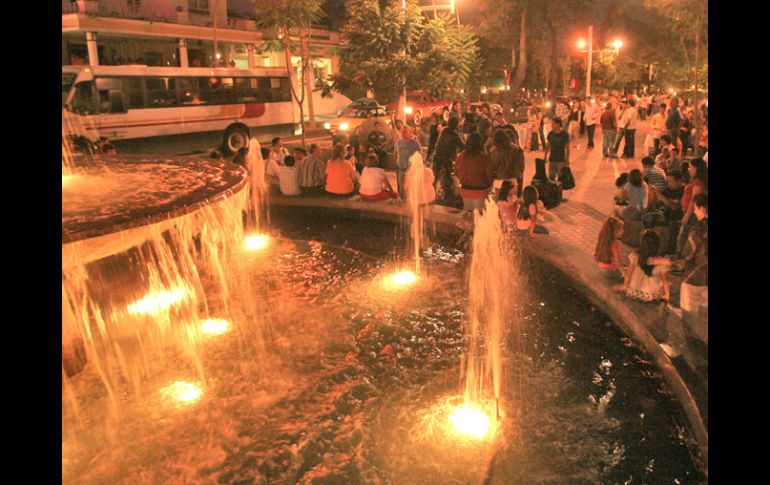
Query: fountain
x: 198, y: 351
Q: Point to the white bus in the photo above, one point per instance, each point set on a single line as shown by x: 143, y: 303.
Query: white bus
x: 178, y: 109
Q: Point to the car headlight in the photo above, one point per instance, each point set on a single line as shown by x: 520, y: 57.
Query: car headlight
x: 327, y: 126
x: 343, y: 126
x: 408, y: 110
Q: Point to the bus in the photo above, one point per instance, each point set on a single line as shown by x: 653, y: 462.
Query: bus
x: 179, y: 109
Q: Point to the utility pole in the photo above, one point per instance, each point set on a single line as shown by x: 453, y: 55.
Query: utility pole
x: 402, y: 100
x: 307, y: 72
x: 216, y: 44
x: 590, y: 59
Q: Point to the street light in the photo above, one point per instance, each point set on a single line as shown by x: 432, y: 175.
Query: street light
x: 582, y: 45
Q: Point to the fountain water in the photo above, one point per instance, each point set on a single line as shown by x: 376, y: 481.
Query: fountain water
x: 493, y: 288
x: 255, y: 165
x: 417, y: 200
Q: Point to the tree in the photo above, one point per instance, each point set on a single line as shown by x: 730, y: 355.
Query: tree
x: 390, y: 47
x: 286, y: 17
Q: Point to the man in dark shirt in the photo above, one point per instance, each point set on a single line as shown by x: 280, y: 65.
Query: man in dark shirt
x: 485, y: 121
x: 609, y: 126
x: 557, y: 147
x: 673, y: 120
x: 435, y: 124
x: 671, y: 198
x: 376, y: 140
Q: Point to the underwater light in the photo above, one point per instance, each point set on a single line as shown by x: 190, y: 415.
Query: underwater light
x: 215, y: 326
x: 255, y: 242
x: 469, y: 420
x: 182, y: 391
x: 154, y: 303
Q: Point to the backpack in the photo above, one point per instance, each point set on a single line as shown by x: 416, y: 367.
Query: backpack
x: 566, y: 178
x: 550, y: 192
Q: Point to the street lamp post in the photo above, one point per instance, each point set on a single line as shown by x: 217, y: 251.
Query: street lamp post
x: 589, y: 48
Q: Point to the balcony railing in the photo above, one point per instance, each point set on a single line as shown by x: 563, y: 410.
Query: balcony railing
x: 68, y: 6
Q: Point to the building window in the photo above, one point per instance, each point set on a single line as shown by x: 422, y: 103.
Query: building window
x: 198, y: 6
x: 134, y: 5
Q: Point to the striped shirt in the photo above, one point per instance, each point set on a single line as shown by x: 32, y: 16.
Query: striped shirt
x: 655, y: 176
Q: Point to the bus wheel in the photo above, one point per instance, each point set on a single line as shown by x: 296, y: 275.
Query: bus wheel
x: 235, y: 138
x: 417, y: 118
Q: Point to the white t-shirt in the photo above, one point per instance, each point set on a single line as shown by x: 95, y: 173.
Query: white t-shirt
x: 274, y: 161
x: 372, y: 181
x: 630, y: 116
x: 288, y: 180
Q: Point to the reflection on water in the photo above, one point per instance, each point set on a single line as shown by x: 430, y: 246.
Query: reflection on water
x: 356, y: 384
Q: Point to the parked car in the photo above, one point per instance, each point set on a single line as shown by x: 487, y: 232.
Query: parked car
x: 357, y: 114
x: 418, y: 106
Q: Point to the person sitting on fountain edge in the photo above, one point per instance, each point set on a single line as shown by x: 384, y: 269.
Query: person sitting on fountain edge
x: 288, y: 177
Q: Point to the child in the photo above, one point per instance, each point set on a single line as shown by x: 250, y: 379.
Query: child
x: 508, y: 204
x: 350, y: 156
x: 646, y: 278
x: 607, y: 252
x: 526, y: 218
x: 288, y: 177
x: 620, y: 182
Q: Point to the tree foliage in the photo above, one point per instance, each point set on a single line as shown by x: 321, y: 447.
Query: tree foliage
x: 387, y: 46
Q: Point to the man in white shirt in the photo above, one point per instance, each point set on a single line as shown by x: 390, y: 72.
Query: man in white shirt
x: 628, y: 122
x: 275, y: 161
x: 591, y: 117
x: 288, y: 177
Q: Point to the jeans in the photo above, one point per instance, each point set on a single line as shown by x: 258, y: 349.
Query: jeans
x: 442, y: 172
x: 684, y: 231
x: 590, y: 129
x: 400, y: 178
x: 554, y: 169
x: 673, y: 232
x: 608, y: 143
x: 656, y: 143
x: 471, y: 204
x: 628, y: 148
x: 674, y: 134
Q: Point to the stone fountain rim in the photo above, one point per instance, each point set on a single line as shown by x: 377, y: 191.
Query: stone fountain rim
x: 162, y: 215
x: 448, y: 219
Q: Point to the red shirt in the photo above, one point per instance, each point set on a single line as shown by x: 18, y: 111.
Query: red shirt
x: 475, y: 173
x: 608, y: 119
x: 687, y: 197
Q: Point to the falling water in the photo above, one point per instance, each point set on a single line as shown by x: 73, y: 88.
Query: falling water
x: 255, y: 164
x: 492, y: 289
x: 417, y: 200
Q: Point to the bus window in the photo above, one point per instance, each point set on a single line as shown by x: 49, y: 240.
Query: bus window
x: 67, y: 78
x: 244, y: 93
x: 133, y: 90
x: 280, y: 89
x: 189, y: 90
x: 83, y: 102
x: 161, y: 92
x: 265, y: 92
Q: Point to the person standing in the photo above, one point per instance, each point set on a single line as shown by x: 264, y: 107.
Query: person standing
x: 673, y: 120
x: 630, y: 118
x: 557, y: 149
x: 475, y: 173
x: 583, y: 115
x: 644, y: 104
x: 658, y: 127
x: 407, y: 146
x: 435, y: 129
x: 694, y: 290
x: 447, y: 146
x: 377, y: 140
x: 591, y: 118
x: 573, y: 123
x: 699, y: 173
x: 561, y: 110
x: 507, y: 161
x: 609, y: 127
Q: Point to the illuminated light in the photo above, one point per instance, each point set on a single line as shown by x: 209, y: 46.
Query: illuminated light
x: 344, y: 126
x: 215, y: 326
x: 399, y: 280
x: 581, y: 44
x: 483, y: 90
x: 66, y: 179
x: 593, y: 101
x: 408, y: 110
x: 327, y: 126
x: 617, y: 44
x: 523, y: 90
x: 547, y: 104
x: 218, y: 55
x: 469, y: 420
x: 670, y: 90
x: 255, y: 242
x: 154, y: 303
x: 182, y: 392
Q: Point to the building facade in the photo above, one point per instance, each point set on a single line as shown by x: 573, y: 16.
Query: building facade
x: 184, y: 33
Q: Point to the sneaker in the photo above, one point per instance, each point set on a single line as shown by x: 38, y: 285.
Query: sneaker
x: 670, y: 350
x: 676, y: 311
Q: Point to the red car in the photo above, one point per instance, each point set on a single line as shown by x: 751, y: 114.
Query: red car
x: 418, y: 106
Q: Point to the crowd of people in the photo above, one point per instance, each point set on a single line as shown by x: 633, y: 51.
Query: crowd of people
x: 667, y: 196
